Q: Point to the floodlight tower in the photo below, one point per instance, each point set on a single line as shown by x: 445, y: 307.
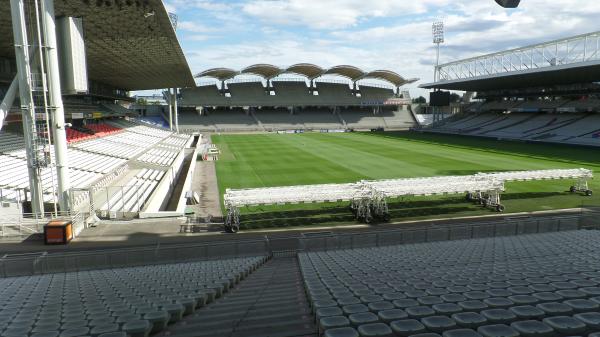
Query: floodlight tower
x: 438, y: 38
x: 437, y: 30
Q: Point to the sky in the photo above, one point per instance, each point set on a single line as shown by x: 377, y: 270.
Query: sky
x: 370, y: 34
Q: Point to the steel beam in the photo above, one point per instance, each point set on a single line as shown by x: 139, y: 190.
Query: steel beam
x: 58, y: 126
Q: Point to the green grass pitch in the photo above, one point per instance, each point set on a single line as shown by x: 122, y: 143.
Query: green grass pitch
x: 248, y: 161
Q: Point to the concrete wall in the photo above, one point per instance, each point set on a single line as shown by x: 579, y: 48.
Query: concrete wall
x: 163, y: 189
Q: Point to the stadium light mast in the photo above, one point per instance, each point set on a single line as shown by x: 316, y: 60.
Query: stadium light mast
x: 437, y: 30
x: 438, y: 38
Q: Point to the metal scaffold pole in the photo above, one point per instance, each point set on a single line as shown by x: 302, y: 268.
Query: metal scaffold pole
x: 58, y: 127
x: 175, y: 109
x: 23, y: 60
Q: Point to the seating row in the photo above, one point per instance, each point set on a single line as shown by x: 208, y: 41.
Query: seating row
x: 530, y: 285
x: 132, y: 302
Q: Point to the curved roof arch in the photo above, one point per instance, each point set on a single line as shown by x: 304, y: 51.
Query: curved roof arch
x: 309, y: 70
x: 266, y: 71
x: 388, y: 76
x: 351, y: 72
x: 222, y: 74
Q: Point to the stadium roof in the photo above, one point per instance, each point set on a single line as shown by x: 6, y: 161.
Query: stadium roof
x: 130, y: 45
x: 350, y: 72
x: 565, y: 61
x: 221, y: 74
x: 267, y: 71
x: 310, y: 71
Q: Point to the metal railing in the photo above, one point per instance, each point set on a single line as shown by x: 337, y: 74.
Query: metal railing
x: 43, y: 263
x: 27, y: 224
x: 580, y: 49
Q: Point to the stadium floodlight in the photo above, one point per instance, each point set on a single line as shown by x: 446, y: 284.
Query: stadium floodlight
x: 437, y: 30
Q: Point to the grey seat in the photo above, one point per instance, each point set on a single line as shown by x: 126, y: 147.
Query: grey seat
x: 419, y: 312
x: 380, y: 306
x: 348, y: 300
x: 405, y: 303
x: 341, y: 332
x: 75, y: 332
x: 498, y: 302
x: 461, y: 333
x: 438, y: 323
x: 497, y: 330
x: 407, y: 327
x: 332, y: 322
x: 362, y: 318
x: 555, y: 309
x: 175, y: 311
x: 45, y: 334
x: 388, y: 316
x: 114, y: 334
x: 527, y: 312
x: 427, y: 334
x: 453, y: 298
x: 523, y: 299
x: 326, y: 312
x: 137, y: 328
x: 106, y: 328
x: 354, y: 308
x: 474, y: 305
x: 375, y: 330
x: 499, y: 316
x: 582, y: 305
x: 446, y: 308
x: 565, y: 325
x: 548, y: 297
x: 158, y: 320
x: 471, y: 320
x: 533, y: 328
x: 591, y: 319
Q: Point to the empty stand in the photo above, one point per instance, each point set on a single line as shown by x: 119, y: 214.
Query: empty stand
x: 132, y: 301
x: 530, y: 285
x: 335, y: 94
x: 248, y: 94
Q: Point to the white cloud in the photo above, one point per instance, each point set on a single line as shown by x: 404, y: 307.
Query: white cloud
x: 331, y: 32
x: 332, y: 14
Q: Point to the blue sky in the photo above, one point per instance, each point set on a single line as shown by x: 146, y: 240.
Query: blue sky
x: 373, y: 34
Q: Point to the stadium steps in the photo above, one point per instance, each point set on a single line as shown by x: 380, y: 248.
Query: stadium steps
x: 561, y: 125
x: 341, y: 119
x: 260, y: 124
x: 270, y: 302
x: 512, y: 124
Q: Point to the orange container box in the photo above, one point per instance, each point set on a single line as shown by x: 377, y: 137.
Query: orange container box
x: 58, y: 232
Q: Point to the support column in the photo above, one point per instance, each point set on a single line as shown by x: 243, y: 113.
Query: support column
x: 27, y: 105
x: 175, y: 112
x: 59, y: 131
x: 170, y: 110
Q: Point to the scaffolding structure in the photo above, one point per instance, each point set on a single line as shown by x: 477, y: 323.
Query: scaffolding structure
x: 368, y: 198
x: 580, y: 175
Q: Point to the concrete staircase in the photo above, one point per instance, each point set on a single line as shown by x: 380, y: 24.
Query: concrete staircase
x: 271, y: 302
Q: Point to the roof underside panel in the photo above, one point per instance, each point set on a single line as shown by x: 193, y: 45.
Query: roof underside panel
x: 571, y: 74
x: 387, y: 75
x: 127, y: 46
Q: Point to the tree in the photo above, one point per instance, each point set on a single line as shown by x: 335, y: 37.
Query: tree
x: 455, y: 98
x: 419, y: 100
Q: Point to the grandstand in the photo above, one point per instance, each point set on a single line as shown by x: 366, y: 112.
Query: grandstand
x: 552, y: 100
x: 315, y: 101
